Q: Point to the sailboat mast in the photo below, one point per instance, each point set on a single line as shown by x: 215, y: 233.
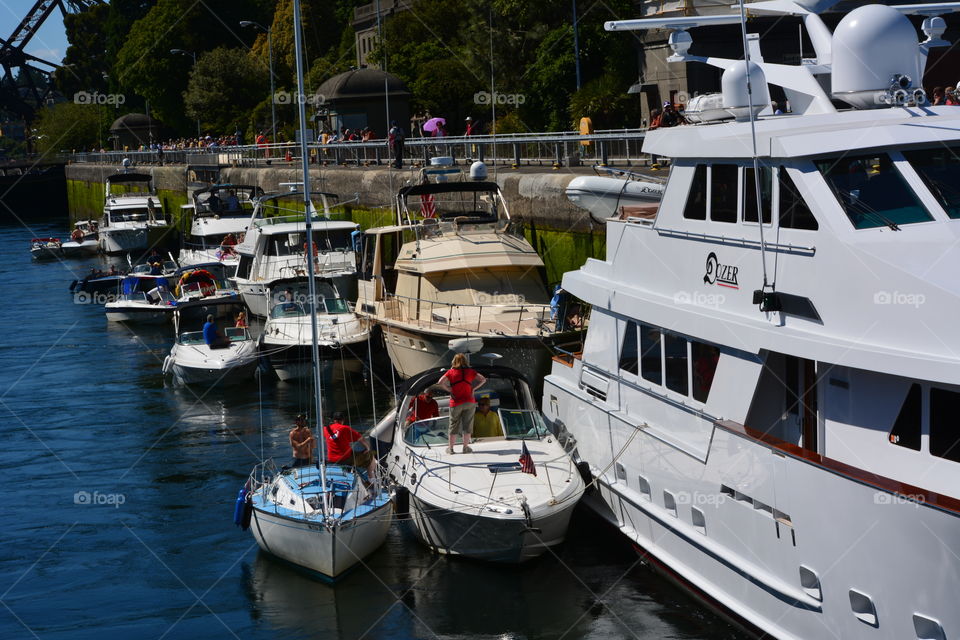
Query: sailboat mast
x: 311, y: 282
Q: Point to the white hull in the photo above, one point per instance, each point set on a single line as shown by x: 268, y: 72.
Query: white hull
x: 138, y: 314
x: 327, y: 552
x: 186, y: 374
x: 116, y: 241
x: 489, y: 537
x: 190, y: 257
x: 741, y: 556
x: 413, y: 351
x: 256, y: 294
x: 198, y: 364
x: 604, y: 196
x: 80, y: 249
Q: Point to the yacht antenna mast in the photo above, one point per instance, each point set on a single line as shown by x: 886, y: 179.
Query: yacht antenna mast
x: 311, y: 281
x: 753, y: 139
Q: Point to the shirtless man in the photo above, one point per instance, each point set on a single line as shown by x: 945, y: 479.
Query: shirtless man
x: 302, y: 442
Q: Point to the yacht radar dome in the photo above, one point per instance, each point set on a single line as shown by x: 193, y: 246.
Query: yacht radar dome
x: 875, y: 55
x: 478, y: 171
x: 736, y: 96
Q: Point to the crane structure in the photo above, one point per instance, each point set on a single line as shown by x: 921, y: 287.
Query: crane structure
x: 25, y: 81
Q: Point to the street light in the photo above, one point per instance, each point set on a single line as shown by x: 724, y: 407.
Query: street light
x: 184, y: 52
x: 273, y: 98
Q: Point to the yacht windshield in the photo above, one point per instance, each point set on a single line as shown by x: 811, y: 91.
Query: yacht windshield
x: 872, y: 191
x: 940, y: 170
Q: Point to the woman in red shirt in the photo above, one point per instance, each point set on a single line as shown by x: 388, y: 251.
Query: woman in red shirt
x: 461, y: 381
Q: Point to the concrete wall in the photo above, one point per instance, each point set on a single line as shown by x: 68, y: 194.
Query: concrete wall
x: 564, y: 235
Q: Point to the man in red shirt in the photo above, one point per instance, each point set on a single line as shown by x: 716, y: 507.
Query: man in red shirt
x: 461, y: 381
x: 347, y: 446
x: 423, y: 406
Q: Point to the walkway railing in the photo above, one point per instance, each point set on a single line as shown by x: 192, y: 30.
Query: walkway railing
x: 621, y: 147
x: 479, y: 318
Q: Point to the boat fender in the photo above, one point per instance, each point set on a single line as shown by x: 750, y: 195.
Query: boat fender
x: 401, y: 502
x: 584, y: 468
x: 247, y: 514
x: 238, y: 507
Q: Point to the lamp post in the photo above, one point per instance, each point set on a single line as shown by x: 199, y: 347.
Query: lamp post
x: 193, y: 55
x: 273, y: 98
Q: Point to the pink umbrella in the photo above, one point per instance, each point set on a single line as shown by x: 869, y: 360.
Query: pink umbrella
x: 432, y: 123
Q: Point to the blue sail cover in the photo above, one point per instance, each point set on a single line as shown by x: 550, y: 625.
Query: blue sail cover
x: 130, y: 284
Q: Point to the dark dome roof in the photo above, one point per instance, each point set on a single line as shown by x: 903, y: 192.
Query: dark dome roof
x: 134, y: 121
x: 360, y: 83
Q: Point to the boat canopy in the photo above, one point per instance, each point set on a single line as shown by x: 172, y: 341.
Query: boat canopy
x: 131, y: 284
x: 448, y: 187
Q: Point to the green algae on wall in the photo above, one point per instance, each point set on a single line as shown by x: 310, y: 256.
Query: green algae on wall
x: 564, y: 251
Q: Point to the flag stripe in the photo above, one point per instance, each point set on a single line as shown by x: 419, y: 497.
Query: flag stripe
x: 526, y: 461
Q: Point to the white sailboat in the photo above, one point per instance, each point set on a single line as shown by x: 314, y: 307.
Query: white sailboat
x: 328, y: 518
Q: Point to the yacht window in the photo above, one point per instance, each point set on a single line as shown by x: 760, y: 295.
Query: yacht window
x: 650, y: 359
x: 705, y: 359
x: 723, y: 192
x: 696, y: 208
x: 243, y: 267
x: 628, y: 352
x: 794, y: 212
x: 871, y: 191
x: 675, y: 350
x: 940, y: 170
x: 906, y: 430
x: 944, y: 431
x: 750, y: 194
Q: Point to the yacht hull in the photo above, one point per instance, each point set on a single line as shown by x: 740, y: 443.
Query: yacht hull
x: 413, y: 351
x: 493, y: 539
x: 186, y: 374
x: 788, y: 549
x: 140, y: 315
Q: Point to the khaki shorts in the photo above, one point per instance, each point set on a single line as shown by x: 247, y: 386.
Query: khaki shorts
x: 359, y: 459
x: 461, y: 418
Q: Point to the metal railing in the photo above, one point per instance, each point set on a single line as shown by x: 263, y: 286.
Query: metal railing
x: 621, y: 147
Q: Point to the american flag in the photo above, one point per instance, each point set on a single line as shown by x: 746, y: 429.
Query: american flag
x: 526, y: 462
x: 428, y: 208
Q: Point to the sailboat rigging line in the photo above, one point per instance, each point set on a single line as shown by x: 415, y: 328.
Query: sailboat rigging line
x: 753, y: 138
x: 260, y: 410
x: 312, y: 285
x: 373, y: 394
x: 493, y: 96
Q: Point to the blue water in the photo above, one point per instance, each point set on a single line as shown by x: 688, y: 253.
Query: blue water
x: 117, y: 517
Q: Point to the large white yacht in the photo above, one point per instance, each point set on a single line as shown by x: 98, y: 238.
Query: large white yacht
x: 452, y: 267
x: 133, y: 218
x: 273, y: 249
x: 768, y: 393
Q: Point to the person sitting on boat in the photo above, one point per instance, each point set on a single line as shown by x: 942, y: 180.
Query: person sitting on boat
x: 232, y: 202
x: 228, y: 244
x: 212, y: 335
x: 460, y: 381
x: 347, y: 446
x: 424, y: 407
x: 241, y: 322
x: 486, y: 423
x: 302, y: 442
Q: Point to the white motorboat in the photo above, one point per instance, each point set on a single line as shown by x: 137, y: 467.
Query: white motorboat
x: 273, y: 248
x: 618, y: 193
x: 84, y: 240
x: 133, y: 216
x: 327, y: 518
x: 458, y: 272
x: 219, y: 217
x: 145, y: 299
x: 46, y: 248
x: 482, y: 504
x: 768, y: 390
x: 193, y: 361
x: 204, y: 289
x: 286, y: 337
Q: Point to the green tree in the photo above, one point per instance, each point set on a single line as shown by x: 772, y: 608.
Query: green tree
x: 225, y: 85
x: 85, y: 61
x: 70, y: 126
